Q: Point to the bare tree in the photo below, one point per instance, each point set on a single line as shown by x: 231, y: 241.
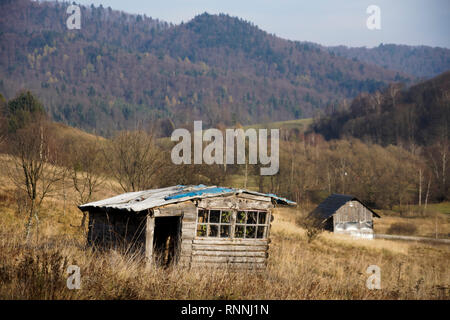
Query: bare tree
x: 3, y: 133
x: 438, y: 156
x: 134, y: 160
x: 86, y: 172
x: 34, y: 169
x: 3, y: 122
x: 393, y: 91
x: 427, y: 194
x: 420, y: 186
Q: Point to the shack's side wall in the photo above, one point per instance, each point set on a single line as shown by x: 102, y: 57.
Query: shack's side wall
x: 203, y: 251
x: 231, y: 252
x: 354, y: 219
x: 115, y: 229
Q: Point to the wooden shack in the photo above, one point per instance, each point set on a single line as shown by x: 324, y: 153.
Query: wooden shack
x: 188, y: 225
x: 345, y: 214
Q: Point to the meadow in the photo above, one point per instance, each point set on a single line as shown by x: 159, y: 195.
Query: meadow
x: 330, y: 267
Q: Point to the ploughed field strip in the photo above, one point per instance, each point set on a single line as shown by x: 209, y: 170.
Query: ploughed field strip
x: 188, y: 225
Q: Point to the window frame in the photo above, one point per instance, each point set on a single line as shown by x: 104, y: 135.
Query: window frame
x: 233, y: 224
x: 208, y: 224
x: 256, y: 225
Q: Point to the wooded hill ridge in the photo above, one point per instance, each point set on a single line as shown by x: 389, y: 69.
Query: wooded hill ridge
x: 419, y: 61
x: 409, y: 117
x: 120, y: 69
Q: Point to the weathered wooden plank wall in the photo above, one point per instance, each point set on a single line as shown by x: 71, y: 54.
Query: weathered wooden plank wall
x: 239, y: 202
x: 352, y: 211
x: 240, y: 253
x: 353, y: 218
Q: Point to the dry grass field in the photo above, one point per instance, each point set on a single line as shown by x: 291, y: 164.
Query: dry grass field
x: 330, y: 267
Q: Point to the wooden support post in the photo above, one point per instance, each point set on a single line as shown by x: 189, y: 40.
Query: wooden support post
x: 149, y: 229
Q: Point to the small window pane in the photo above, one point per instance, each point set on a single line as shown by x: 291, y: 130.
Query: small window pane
x: 240, y: 218
x: 203, y: 216
x: 213, y: 230
x: 201, y: 230
x: 251, y: 217
x: 239, y: 232
x: 214, y: 216
x: 250, y: 231
x: 262, y: 217
x: 225, y: 217
x: 260, y: 232
x: 225, y: 231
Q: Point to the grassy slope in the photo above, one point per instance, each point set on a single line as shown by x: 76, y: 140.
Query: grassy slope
x: 65, y: 131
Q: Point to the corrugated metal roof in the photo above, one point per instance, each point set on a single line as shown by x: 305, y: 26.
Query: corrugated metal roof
x: 143, y: 200
x: 331, y: 204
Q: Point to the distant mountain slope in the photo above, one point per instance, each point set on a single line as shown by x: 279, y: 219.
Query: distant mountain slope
x: 420, y: 61
x: 120, y: 69
x: 234, y: 44
x: 419, y: 115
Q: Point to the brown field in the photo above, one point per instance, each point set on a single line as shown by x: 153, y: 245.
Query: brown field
x: 330, y: 267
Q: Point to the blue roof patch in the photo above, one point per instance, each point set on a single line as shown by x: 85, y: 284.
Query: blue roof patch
x: 214, y: 190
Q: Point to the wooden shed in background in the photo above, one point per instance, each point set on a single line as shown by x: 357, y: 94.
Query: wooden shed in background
x: 189, y: 225
x: 345, y: 214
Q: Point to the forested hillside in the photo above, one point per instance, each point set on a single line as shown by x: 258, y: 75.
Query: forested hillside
x: 420, y: 61
x: 416, y: 119
x: 419, y: 115
x: 120, y: 69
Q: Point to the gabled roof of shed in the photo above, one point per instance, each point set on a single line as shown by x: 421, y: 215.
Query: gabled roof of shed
x: 330, y: 205
x: 148, y: 199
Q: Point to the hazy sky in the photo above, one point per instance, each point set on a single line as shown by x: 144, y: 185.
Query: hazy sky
x: 333, y: 22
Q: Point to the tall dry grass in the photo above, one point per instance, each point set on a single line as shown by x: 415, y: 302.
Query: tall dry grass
x: 330, y: 267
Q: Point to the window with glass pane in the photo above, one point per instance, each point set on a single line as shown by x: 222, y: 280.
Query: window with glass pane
x: 251, y: 224
x: 214, y: 223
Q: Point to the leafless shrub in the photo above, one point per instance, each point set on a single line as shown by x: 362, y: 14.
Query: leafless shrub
x: 312, y: 225
x: 37, y: 275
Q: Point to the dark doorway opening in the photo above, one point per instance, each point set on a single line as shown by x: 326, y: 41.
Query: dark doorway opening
x: 329, y: 224
x: 166, y: 241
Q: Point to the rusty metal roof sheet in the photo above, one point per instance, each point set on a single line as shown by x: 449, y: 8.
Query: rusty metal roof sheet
x: 148, y: 199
